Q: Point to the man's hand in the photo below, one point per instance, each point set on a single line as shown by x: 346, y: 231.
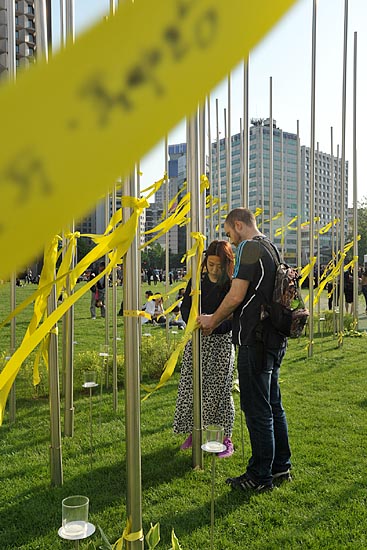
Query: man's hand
x: 206, y: 324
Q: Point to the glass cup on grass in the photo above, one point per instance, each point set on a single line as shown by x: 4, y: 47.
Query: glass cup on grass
x: 90, y: 377
x: 75, y: 516
x: 214, y: 438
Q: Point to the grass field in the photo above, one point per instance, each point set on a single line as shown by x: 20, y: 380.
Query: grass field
x: 323, y: 508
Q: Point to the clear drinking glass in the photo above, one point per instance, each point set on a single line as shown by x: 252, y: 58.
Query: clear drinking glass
x: 214, y: 438
x: 75, y: 516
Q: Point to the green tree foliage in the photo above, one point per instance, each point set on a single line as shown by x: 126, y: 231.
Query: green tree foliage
x: 153, y: 256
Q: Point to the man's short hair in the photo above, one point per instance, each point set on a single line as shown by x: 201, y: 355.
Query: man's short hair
x: 241, y: 215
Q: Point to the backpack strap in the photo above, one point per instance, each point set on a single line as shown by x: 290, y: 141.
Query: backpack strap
x: 271, y: 248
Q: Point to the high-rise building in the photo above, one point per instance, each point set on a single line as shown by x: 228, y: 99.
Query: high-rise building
x: 285, y: 193
x: 177, y: 177
x: 25, y: 34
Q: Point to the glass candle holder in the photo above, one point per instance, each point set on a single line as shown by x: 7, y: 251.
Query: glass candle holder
x: 75, y: 516
x: 214, y: 438
x: 90, y: 378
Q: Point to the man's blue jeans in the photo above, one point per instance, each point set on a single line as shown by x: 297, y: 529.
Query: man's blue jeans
x: 265, y: 417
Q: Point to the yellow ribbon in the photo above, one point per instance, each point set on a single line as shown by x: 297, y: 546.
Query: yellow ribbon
x: 197, y: 249
x: 134, y: 87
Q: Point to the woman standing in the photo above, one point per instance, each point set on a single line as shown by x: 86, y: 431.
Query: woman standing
x: 217, y: 353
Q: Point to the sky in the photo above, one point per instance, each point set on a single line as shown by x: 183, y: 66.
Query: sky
x: 285, y: 55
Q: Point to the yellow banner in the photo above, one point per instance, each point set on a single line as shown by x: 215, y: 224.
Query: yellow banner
x: 102, y: 103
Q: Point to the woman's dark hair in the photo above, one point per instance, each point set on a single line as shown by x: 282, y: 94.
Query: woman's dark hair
x: 223, y: 250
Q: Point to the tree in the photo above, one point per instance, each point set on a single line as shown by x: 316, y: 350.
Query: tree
x: 153, y: 256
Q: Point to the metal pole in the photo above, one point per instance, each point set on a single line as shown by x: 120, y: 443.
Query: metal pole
x: 210, y: 159
x: 262, y: 186
x: 299, y: 204
x: 282, y: 183
x: 106, y: 299
x: 167, y: 233
x: 342, y: 191
x: 114, y: 316
x: 62, y: 23
x: 11, y: 63
x: 218, y: 173
x: 114, y: 292
x: 70, y: 27
x: 194, y: 188
x: 312, y: 178
x: 271, y: 167
x: 132, y: 383
x: 333, y: 215
x: 229, y: 150
x: 241, y: 160
x: 68, y: 319
x: 202, y: 166
x: 318, y: 214
x: 41, y: 29
x: 54, y: 400
x: 245, y: 131
x: 355, y: 205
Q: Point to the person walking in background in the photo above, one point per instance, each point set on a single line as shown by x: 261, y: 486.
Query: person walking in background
x: 98, y: 294
x: 217, y: 353
x: 364, y: 286
x: 261, y: 349
x: 348, y: 290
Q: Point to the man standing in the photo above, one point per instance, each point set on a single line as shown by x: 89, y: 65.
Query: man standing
x: 260, y: 353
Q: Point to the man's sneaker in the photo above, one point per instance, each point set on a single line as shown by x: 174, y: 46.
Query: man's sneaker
x: 187, y: 444
x: 229, y: 448
x: 279, y: 477
x: 245, y: 483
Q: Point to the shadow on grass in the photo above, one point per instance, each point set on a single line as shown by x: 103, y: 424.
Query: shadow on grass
x: 39, y: 510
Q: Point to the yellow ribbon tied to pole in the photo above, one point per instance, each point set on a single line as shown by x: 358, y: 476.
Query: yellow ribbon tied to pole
x: 91, y: 102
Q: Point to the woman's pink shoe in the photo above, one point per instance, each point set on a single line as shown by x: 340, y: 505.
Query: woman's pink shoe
x: 187, y: 444
x: 229, y: 448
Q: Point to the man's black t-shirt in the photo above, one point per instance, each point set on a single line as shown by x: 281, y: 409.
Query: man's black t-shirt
x: 255, y: 264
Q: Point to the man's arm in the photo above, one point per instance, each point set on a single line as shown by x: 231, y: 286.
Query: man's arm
x: 232, y: 300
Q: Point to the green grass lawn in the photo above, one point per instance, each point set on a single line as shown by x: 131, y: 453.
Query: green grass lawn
x: 324, y: 507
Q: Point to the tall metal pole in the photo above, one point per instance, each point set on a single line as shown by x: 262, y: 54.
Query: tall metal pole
x: 333, y: 216
x: 355, y: 205
x: 299, y: 202
x: 202, y: 167
x: 107, y: 294
x: 114, y: 317
x: 11, y: 62
x: 54, y: 400
x: 194, y: 188
x: 228, y: 188
x: 132, y: 382
x: 62, y: 23
x: 218, y: 173
x: 342, y: 191
x: 68, y: 319
x: 271, y: 167
x: 114, y: 291
x: 41, y: 29
x: 241, y: 161
x: 318, y: 214
x: 167, y: 233
x: 229, y: 150
x: 262, y: 184
x: 282, y: 184
x: 210, y: 159
x: 245, y: 189
x: 312, y: 178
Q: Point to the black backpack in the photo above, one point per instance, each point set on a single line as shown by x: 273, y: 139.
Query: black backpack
x: 287, y: 311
